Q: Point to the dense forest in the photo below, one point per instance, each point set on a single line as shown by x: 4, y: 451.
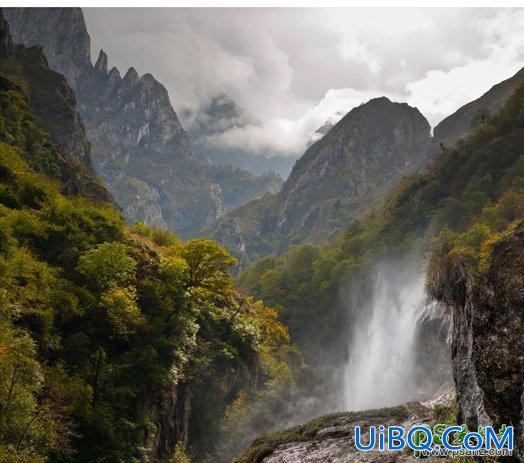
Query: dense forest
x: 124, y: 343
x: 467, y: 198
x: 105, y: 329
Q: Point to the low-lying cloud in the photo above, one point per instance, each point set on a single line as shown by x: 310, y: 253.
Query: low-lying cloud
x: 294, y: 69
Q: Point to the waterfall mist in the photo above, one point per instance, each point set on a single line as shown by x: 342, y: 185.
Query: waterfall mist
x: 384, y: 342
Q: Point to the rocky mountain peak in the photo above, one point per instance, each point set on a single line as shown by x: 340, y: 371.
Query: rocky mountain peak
x: 53, y: 103
x: 131, y: 77
x: 101, y: 62
x: 370, y: 147
x: 114, y: 74
x: 69, y: 57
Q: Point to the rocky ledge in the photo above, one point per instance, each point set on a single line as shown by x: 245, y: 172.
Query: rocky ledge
x: 331, y: 438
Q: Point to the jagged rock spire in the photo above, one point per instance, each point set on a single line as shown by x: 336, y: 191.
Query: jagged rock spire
x: 101, y: 62
x: 131, y: 76
x: 114, y: 74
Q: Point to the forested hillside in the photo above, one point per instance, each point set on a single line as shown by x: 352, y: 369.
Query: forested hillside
x: 108, y: 333
x: 476, y: 186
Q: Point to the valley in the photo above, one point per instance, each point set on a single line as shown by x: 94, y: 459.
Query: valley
x: 161, y: 304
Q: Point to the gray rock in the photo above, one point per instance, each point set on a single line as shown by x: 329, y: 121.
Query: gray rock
x: 331, y: 439
x: 133, y: 129
x: 488, y: 338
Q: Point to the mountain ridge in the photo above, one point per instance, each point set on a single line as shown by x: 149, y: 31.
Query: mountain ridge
x: 251, y: 224
x: 139, y: 146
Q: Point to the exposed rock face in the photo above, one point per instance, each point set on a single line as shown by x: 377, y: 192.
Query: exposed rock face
x: 68, y: 57
x: 229, y: 234
x: 171, y: 423
x: 331, y: 438
x: 54, y: 103
x: 372, y: 146
x: 462, y: 122
x: 134, y: 131
x: 139, y: 200
x: 488, y: 339
x: 338, y: 177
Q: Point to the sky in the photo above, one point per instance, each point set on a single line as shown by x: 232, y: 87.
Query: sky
x: 293, y: 69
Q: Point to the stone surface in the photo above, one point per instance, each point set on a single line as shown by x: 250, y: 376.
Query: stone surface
x: 331, y: 439
x: 134, y: 130
x: 53, y: 101
x: 488, y: 339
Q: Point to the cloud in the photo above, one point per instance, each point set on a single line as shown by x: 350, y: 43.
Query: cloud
x: 293, y: 69
x: 440, y: 93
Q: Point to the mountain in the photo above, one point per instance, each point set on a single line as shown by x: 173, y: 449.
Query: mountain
x: 138, y: 144
x: 220, y: 115
x: 338, y: 177
x: 472, y: 115
x: 53, y: 103
x: 458, y: 226
x: 348, y: 171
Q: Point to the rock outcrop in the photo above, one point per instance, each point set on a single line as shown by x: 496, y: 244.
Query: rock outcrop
x: 135, y: 134
x: 488, y: 336
x: 69, y: 57
x: 53, y: 101
x: 331, y: 438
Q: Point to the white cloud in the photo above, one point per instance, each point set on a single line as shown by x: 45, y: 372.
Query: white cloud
x: 293, y: 69
x: 440, y: 93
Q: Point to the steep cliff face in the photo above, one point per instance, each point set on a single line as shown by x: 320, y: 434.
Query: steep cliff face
x: 345, y: 173
x: 461, y: 123
x: 370, y: 148
x: 135, y: 134
x: 488, y: 335
x: 53, y: 102
x: 129, y: 112
x: 69, y: 57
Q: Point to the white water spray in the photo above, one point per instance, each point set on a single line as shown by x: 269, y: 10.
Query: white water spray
x: 380, y: 371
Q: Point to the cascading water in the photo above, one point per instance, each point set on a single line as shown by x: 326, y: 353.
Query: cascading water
x: 380, y: 370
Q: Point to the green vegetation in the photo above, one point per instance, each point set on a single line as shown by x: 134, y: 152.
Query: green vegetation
x: 264, y: 446
x: 99, y: 322
x: 469, y: 195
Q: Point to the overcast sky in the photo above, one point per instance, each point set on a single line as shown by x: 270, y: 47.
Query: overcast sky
x: 293, y: 69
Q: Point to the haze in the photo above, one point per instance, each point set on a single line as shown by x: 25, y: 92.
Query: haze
x: 291, y: 70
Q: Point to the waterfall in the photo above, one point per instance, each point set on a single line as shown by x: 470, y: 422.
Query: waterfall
x: 381, y: 366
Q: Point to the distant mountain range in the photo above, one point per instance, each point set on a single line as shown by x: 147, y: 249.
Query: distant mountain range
x: 216, y: 118
x: 144, y: 155
x: 137, y: 142
x: 348, y: 171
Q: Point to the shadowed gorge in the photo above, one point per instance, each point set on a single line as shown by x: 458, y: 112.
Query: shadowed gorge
x: 177, y: 309
x: 138, y: 144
